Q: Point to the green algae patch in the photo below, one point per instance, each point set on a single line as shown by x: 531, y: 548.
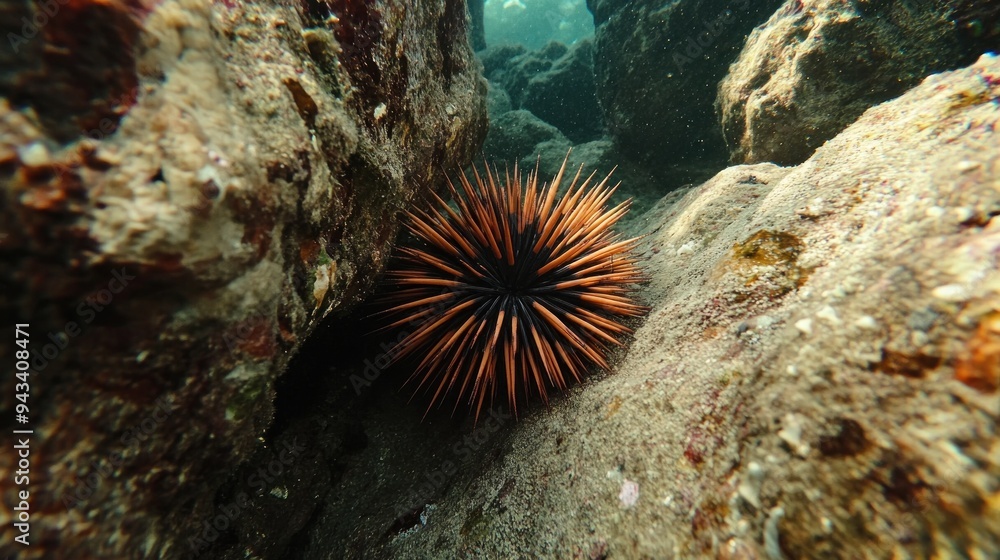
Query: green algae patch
x: 778, y: 253
x: 476, y: 525
x: 768, y: 248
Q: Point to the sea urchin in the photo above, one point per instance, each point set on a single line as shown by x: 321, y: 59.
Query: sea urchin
x: 512, y: 288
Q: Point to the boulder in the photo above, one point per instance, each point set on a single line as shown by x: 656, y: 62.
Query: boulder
x: 816, y: 65
x: 186, y: 190
x: 658, y: 65
x: 515, y: 73
x: 555, y: 83
x: 514, y: 135
x: 497, y: 57
x: 565, y: 95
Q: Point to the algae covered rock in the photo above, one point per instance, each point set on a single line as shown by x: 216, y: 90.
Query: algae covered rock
x: 186, y: 189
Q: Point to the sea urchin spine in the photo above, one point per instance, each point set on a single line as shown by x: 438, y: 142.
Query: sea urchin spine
x: 513, y: 288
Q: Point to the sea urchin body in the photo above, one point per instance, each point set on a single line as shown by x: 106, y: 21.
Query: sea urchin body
x: 511, y: 288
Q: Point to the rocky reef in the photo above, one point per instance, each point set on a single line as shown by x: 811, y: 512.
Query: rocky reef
x: 197, y: 199
x: 187, y: 189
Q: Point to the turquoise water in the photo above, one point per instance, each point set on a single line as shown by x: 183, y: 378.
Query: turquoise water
x: 536, y: 22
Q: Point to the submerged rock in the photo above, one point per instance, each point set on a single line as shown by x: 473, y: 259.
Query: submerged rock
x: 512, y: 67
x: 497, y: 101
x: 565, y: 95
x: 657, y: 66
x: 497, y: 58
x: 816, y: 65
x: 188, y: 189
x: 516, y: 133
x: 546, y: 95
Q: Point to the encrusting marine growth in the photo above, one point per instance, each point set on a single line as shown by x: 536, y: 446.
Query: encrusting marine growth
x: 512, y: 287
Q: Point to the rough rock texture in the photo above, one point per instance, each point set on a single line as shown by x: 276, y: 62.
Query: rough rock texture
x: 658, y: 64
x: 818, y: 377
x: 514, y: 134
x: 516, y: 72
x: 497, y: 57
x: 186, y: 189
x: 497, y: 101
x: 816, y: 65
x: 565, y: 95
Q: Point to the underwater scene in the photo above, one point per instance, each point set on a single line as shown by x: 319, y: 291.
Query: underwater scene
x: 500, y: 279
